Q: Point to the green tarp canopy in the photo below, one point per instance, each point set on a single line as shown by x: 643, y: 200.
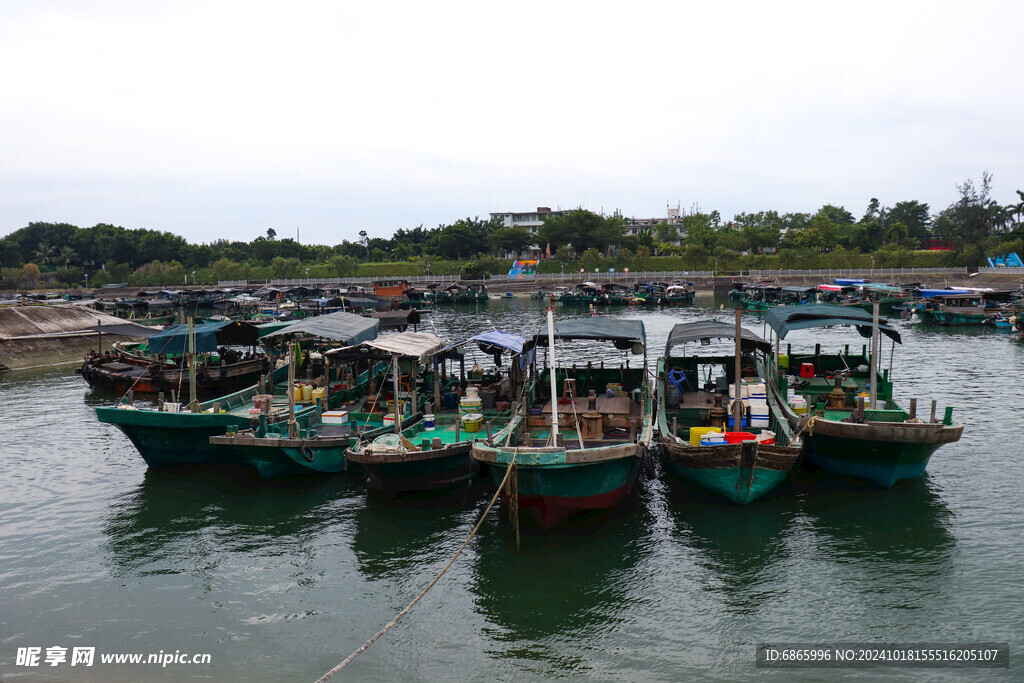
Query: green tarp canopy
x: 618, y: 330
x: 684, y: 333
x: 208, y: 336
x: 782, y: 319
x: 346, y: 328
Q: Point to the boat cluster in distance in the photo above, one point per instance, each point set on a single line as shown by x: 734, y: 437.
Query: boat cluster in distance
x: 412, y: 414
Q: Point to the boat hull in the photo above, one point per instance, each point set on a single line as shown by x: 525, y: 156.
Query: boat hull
x: 436, y: 470
x: 740, y: 472
x: 173, y: 439
x: 881, y: 455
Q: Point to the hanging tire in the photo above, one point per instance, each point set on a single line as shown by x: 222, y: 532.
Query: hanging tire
x: 307, y: 454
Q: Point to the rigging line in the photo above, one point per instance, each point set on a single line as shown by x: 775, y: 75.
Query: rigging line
x: 390, y: 624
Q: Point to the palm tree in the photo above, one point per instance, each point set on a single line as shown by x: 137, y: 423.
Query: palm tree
x: 1018, y: 208
x: 44, y: 253
x: 67, y: 255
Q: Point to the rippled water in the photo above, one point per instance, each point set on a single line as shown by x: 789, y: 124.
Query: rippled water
x: 280, y: 581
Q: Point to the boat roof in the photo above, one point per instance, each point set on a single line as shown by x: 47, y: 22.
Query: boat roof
x: 608, y: 329
x: 418, y: 345
x: 799, y: 290
x: 928, y: 293
x: 127, y: 329
x: 348, y: 328
x: 848, y: 281
x: 782, y: 319
x: 506, y: 340
x: 683, y: 333
x: 208, y: 336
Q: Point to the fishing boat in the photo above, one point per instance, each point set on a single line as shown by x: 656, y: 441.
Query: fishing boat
x: 758, y: 452
x: 227, y: 359
x: 431, y: 454
x: 856, y: 429
x: 580, y: 433
x: 166, y: 435
x: 678, y: 294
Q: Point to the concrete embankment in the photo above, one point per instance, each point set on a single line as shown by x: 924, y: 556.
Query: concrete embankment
x: 37, y: 336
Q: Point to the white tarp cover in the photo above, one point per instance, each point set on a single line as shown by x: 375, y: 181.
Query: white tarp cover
x: 419, y: 345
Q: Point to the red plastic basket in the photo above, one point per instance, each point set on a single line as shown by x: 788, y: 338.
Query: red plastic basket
x: 736, y: 437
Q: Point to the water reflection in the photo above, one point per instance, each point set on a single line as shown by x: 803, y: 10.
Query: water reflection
x: 395, y: 539
x: 742, y: 548
x: 191, y: 521
x: 908, y: 523
x: 561, y: 587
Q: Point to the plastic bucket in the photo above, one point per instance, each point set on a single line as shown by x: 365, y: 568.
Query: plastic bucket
x: 307, y: 392
x: 799, y: 405
x: 389, y: 420
x: 428, y: 422
x: 737, y: 437
x: 472, y: 422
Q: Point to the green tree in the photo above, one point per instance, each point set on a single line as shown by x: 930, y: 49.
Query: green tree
x: 590, y: 259
x: 283, y: 267
x: 511, y: 239
x: 344, y: 266
x: 44, y: 253
x: 913, y: 215
x: 225, y: 269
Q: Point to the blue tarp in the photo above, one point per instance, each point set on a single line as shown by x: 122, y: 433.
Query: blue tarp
x: 929, y: 293
x: 208, y: 336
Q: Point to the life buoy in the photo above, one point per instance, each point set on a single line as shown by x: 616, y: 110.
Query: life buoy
x: 157, y: 382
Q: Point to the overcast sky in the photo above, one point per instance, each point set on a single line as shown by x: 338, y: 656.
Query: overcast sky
x: 222, y: 119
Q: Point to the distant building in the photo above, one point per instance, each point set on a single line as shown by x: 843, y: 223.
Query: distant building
x: 532, y: 220
x: 635, y: 226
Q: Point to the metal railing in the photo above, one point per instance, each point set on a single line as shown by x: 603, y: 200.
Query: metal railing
x: 1002, y: 269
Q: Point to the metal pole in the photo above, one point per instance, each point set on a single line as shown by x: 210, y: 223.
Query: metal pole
x: 551, y: 370
x: 292, y: 432
x: 874, y: 355
x: 394, y: 383
x: 737, y: 407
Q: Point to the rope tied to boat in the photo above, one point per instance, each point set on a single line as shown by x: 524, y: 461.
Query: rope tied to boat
x: 387, y: 627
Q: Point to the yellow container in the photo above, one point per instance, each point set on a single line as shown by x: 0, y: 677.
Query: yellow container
x: 472, y: 422
x: 697, y: 433
x: 784, y: 361
x: 307, y: 392
x: 318, y: 394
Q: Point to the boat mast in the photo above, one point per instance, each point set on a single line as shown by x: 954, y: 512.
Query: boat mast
x: 874, y: 355
x: 292, y: 432
x: 737, y: 406
x: 554, y: 382
x: 192, y: 402
x: 394, y: 380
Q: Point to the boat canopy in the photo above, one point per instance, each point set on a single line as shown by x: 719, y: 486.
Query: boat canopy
x: 618, y: 330
x: 783, y: 319
x: 126, y: 329
x: 684, y: 333
x: 418, y: 345
x: 929, y: 293
x: 207, y: 337
x: 504, y: 340
x: 798, y: 290
x: 848, y: 281
x: 347, y: 328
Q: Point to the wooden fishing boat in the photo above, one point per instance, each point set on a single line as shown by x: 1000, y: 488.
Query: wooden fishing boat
x: 678, y: 294
x: 227, y: 360
x: 575, y: 453
x: 165, y: 436
x: 431, y: 454
x: 856, y: 429
x: 757, y: 454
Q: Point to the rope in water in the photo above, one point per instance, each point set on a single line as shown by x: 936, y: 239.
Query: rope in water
x: 412, y: 604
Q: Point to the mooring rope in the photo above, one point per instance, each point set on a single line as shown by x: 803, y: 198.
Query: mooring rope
x: 390, y: 624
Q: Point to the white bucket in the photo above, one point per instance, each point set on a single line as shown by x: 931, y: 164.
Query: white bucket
x: 172, y: 407
x: 472, y: 392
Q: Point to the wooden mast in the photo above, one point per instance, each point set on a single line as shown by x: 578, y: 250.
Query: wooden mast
x: 737, y: 406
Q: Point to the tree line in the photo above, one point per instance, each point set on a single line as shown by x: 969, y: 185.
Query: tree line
x: 975, y: 225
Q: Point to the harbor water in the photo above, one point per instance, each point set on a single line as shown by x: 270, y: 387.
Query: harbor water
x: 282, y: 580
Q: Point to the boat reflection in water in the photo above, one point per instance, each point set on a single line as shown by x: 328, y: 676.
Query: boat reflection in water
x: 898, y: 538
x: 394, y: 539
x: 742, y: 555
x: 563, y: 587
x: 180, y: 522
